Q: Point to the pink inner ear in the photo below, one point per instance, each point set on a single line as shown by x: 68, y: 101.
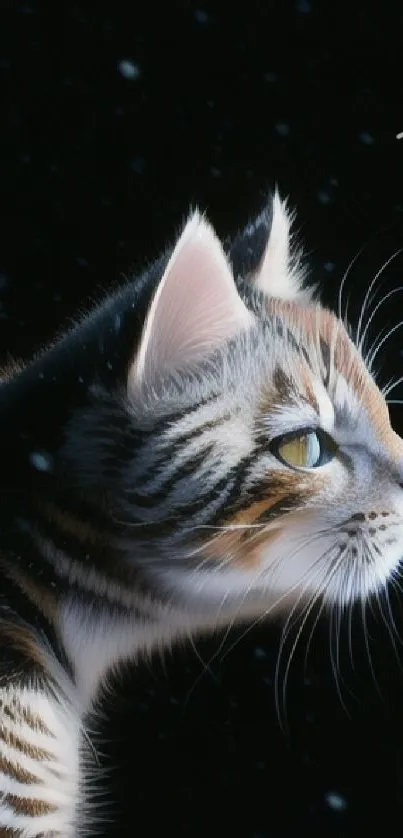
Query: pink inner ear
x: 196, y: 306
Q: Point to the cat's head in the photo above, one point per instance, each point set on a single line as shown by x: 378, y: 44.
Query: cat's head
x: 268, y: 472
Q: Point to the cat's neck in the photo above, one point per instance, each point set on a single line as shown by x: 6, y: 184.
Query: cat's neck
x: 94, y: 607
x: 98, y: 641
x: 109, y: 634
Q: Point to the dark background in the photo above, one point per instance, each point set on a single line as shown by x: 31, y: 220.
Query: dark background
x: 100, y: 160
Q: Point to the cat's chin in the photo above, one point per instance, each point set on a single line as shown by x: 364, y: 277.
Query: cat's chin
x: 237, y: 595
x: 366, y: 581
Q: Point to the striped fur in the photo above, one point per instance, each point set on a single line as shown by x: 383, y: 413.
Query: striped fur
x: 143, y: 500
x: 39, y: 751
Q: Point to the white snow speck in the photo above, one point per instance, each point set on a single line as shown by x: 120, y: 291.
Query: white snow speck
x: 138, y: 165
x: 399, y: 136
x: 335, y: 801
x: 367, y: 138
x: 303, y: 7
x: 201, y: 16
x: 41, y: 460
x: 282, y: 128
x: 323, y: 197
x: 129, y: 70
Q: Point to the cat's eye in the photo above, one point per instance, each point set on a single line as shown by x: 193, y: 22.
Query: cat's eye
x: 304, y: 449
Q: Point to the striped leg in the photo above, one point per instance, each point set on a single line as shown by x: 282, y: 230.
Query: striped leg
x: 39, y: 752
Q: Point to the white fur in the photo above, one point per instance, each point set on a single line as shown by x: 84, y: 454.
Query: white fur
x: 275, y: 275
x: 58, y: 778
x: 196, y: 308
x: 326, y: 409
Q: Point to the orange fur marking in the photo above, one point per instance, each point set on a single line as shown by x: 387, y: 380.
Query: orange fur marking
x: 318, y: 323
x: 243, y: 545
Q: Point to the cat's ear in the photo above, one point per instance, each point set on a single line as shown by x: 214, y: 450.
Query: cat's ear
x: 271, y: 263
x: 196, y: 306
x: 280, y: 273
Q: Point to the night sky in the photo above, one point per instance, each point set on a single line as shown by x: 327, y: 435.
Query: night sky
x: 115, y: 119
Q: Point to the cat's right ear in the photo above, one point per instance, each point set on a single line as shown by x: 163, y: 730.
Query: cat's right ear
x: 196, y: 306
x: 264, y: 255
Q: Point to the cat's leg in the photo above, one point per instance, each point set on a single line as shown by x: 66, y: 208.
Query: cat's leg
x: 39, y: 748
x: 40, y: 734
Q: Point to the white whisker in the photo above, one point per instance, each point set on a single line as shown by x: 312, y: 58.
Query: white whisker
x: 345, y: 277
x: 361, y: 339
x: 370, y: 360
x: 392, y: 386
x: 367, y: 295
x: 326, y: 577
x: 367, y: 647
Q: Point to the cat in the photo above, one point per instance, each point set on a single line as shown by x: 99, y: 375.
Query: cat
x: 207, y: 446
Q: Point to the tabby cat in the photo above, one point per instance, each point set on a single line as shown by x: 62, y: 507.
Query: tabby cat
x: 207, y: 446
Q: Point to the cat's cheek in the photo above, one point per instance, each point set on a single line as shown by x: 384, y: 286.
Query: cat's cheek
x: 331, y: 486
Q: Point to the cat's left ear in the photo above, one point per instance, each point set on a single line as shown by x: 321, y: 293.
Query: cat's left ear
x: 195, y: 309
x: 265, y: 255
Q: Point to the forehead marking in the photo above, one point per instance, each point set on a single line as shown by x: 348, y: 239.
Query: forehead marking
x: 326, y: 410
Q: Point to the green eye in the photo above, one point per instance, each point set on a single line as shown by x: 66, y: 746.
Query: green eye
x: 304, y: 449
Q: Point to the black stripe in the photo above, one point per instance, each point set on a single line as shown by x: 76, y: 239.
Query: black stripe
x: 184, y: 469
x: 174, y: 418
x: 232, y: 500
x: 172, y: 449
x: 325, y: 351
x: 18, y: 609
x: 291, y: 340
x: 282, y: 506
x: 99, y: 556
x: 26, y: 554
x: 283, y: 384
x: 110, y: 564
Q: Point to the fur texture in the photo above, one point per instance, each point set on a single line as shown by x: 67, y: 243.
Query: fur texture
x: 205, y: 447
